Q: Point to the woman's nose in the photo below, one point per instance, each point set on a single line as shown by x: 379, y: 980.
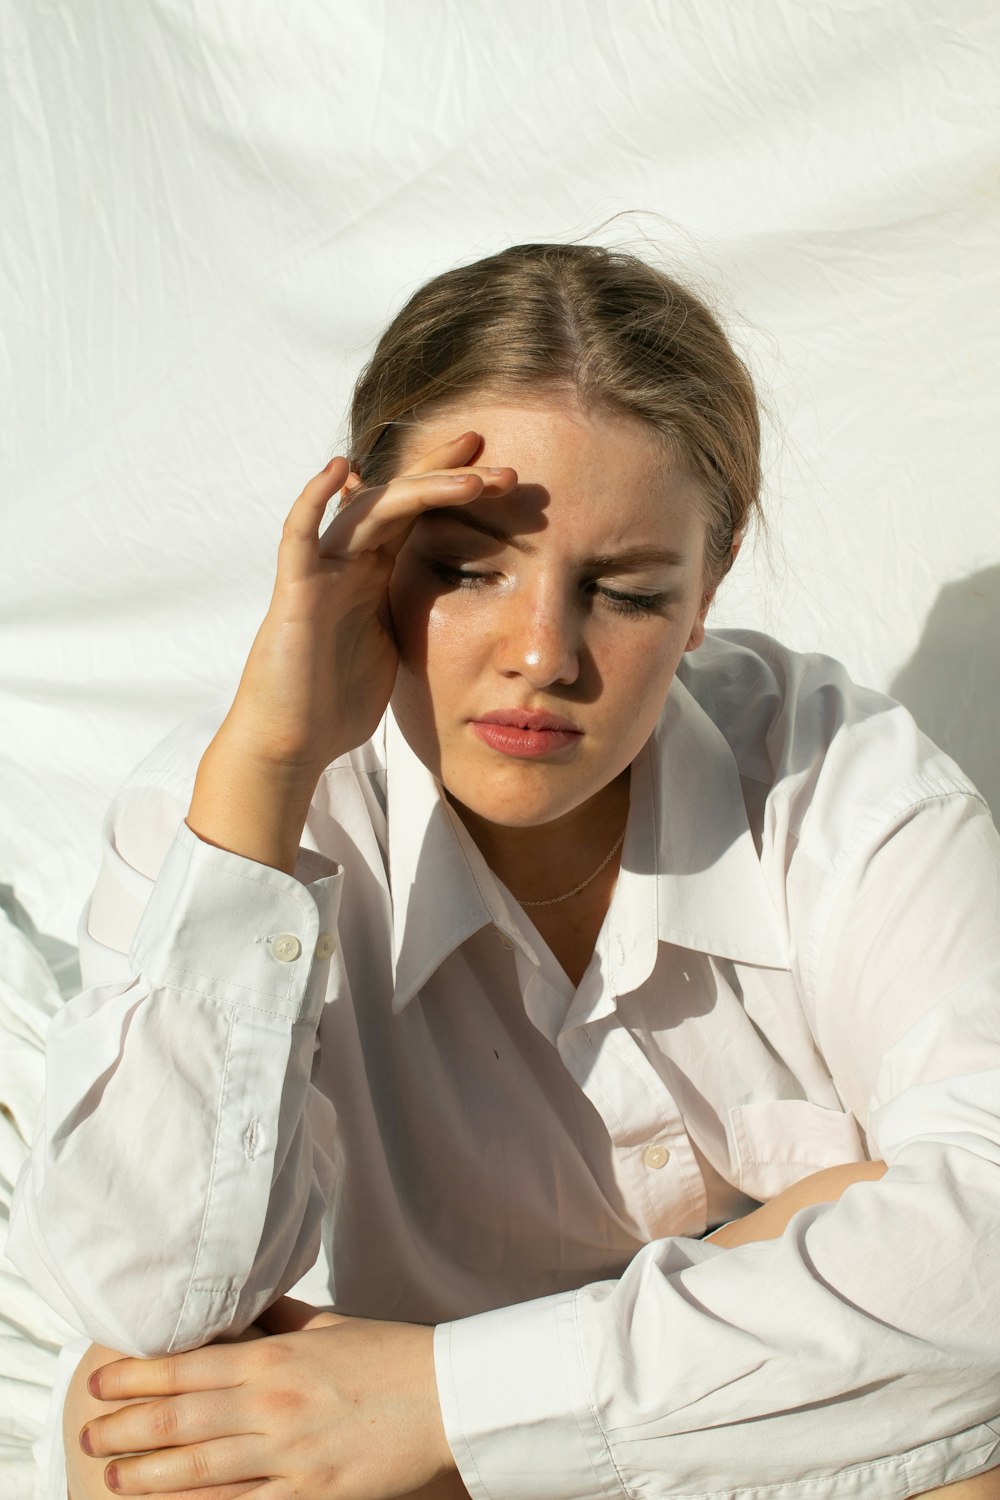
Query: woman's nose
x: 539, y: 639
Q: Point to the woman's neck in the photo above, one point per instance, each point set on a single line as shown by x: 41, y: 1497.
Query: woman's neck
x: 548, y: 860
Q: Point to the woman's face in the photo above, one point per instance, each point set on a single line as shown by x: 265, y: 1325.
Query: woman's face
x: 574, y: 595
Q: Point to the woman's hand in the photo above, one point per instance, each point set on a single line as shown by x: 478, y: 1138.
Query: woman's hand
x: 323, y: 663
x: 326, y: 1407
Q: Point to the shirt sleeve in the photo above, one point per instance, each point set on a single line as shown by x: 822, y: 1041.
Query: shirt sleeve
x: 183, y: 1160
x: 857, y: 1354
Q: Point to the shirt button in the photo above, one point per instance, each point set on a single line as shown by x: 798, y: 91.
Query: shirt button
x: 286, y: 947
x: 656, y: 1157
x: 325, y: 944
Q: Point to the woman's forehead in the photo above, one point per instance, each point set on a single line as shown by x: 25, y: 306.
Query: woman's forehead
x: 526, y: 422
x: 558, y: 445
x: 598, y: 484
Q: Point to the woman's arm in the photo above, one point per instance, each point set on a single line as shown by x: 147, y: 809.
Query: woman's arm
x: 179, y: 1179
x: 180, y: 1173
x: 769, y: 1221
x: 86, y: 1475
x: 251, y: 809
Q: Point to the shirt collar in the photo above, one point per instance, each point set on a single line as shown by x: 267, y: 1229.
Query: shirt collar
x: 711, y: 892
x: 690, y: 874
x: 687, y: 828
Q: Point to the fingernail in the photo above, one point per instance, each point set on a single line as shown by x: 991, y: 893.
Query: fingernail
x: 94, y: 1384
x: 85, y: 1443
x: 462, y: 436
x: 111, y: 1476
x: 496, y: 471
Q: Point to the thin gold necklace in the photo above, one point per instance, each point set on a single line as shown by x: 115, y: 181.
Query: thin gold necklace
x: 554, y: 900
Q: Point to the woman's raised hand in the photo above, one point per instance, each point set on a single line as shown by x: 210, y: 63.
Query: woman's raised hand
x: 323, y: 663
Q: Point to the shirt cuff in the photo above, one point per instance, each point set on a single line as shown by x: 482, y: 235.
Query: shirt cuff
x: 239, y: 932
x: 515, y: 1401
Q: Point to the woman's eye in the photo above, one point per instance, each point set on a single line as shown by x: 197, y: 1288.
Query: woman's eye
x: 462, y: 578
x: 635, y: 605
x: 630, y: 604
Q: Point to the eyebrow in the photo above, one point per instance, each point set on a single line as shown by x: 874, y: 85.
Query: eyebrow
x: 631, y: 558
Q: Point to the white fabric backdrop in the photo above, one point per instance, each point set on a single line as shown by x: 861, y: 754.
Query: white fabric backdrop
x: 209, y: 208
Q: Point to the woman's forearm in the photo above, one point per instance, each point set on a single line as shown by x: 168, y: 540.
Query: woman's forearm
x: 769, y: 1221
x: 249, y: 808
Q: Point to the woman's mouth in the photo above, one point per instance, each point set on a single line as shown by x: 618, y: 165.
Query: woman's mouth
x: 526, y: 734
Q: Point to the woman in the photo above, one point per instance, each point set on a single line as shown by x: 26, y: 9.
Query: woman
x: 604, y: 934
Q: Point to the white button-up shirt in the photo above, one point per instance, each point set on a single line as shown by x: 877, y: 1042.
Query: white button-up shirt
x: 800, y: 966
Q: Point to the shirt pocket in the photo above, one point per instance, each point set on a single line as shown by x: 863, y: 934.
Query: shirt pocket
x: 779, y: 1141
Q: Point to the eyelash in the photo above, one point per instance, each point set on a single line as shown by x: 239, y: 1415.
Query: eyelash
x: 635, y: 605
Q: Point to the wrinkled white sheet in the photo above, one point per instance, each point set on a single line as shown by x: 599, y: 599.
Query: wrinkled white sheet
x: 208, y: 210
x: 31, y: 1334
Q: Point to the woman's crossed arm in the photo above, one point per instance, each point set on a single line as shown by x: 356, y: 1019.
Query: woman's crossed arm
x: 149, y: 1436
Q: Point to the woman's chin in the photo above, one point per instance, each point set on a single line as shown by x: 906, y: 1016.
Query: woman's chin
x: 504, y: 813
x: 521, y: 802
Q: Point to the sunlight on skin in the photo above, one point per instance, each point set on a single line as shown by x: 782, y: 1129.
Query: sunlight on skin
x: 85, y: 1475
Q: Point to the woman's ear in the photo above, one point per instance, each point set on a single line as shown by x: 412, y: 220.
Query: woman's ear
x: 698, y: 628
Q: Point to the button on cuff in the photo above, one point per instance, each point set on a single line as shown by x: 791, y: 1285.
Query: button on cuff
x: 325, y: 944
x: 655, y: 1157
x: 210, y: 923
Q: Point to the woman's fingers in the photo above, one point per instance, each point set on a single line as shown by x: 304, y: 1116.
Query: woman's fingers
x: 298, y: 535
x: 380, y: 519
x: 213, y: 1367
x: 450, y: 455
x: 457, y: 450
x: 168, y: 1470
x: 303, y: 519
x: 316, y: 495
x: 210, y: 1492
x: 160, y: 1424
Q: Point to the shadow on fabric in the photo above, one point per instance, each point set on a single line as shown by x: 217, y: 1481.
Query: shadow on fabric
x: 951, y: 684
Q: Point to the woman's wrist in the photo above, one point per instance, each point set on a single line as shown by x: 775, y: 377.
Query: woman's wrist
x: 248, y: 807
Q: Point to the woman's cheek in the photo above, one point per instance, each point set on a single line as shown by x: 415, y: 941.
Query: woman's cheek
x: 456, y: 623
x: 410, y: 607
x: 436, y: 642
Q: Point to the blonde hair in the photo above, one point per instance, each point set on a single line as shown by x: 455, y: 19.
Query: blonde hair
x: 621, y: 335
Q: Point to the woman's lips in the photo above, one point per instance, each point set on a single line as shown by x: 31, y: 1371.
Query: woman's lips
x: 527, y: 718
x: 527, y: 735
